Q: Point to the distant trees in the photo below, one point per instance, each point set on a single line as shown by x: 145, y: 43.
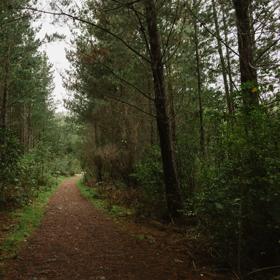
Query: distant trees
x: 25, y: 77
x: 29, y: 129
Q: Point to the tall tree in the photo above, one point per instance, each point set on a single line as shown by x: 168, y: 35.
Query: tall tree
x: 199, y: 78
x: 248, y: 72
x: 173, y: 195
x: 222, y: 59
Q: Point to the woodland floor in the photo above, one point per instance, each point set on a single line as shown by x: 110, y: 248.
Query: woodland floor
x: 77, y: 241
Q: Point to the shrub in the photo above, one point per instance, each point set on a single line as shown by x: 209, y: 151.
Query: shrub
x: 149, y: 177
x: 10, y: 152
x: 238, y: 195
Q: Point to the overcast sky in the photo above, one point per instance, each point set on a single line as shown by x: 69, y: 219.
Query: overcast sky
x: 55, y: 51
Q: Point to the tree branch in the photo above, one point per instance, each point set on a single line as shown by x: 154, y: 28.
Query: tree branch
x: 120, y: 78
x: 262, y: 270
x: 75, y: 18
x: 171, y: 31
x: 142, y: 29
x: 210, y: 31
x: 13, y: 20
x: 127, y: 82
x: 266, y: 50
x: 129, y: 104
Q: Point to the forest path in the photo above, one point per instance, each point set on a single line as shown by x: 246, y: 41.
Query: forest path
x: 77, y: 241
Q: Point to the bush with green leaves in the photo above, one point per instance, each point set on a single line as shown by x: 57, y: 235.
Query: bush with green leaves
x: 238, y: 198
x: 10, y: 152
x: 24, y: 173
x: 149, y: 176
x: 21, y: 173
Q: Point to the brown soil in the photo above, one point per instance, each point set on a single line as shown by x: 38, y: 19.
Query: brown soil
x: 77, y: 241
x: 6, y: 224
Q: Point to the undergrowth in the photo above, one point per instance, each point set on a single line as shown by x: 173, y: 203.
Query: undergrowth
x: 92, y: 195
x: 27, y: 219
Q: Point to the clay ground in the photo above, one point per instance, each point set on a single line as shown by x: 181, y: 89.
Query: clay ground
x: 77, y: 241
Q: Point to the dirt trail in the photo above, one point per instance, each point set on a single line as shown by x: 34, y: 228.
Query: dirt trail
x: 76, y: 241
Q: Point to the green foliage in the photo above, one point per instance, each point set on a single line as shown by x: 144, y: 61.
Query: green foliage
x: 149, y: 174
x: 34, y: 167
x: 10, y: 152
x: 66, y: 165
x: 91, y: 194
x: 27, y: 219
x: 239, y: 181
x: 22, y: 174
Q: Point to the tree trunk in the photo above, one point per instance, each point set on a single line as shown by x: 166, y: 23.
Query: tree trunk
x: 246, y: 57
x: 252, y: 30
x: 4, y: 105
x: 223, y: 64
x: 153, y: 139
x: 253, y: 163
x: 199, y: 86
x: 171, y: 106
x: 229, y: 70
x: 95, y: 134
x: 172, y: 188
x: 5, y: 96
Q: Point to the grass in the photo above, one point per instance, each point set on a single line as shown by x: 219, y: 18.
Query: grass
x: 27, y: 219
x: 101, y: 203
x: 115, y: 211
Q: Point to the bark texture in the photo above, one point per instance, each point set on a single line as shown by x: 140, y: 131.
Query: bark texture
x: 246, y: 53
x: 172, y: 188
